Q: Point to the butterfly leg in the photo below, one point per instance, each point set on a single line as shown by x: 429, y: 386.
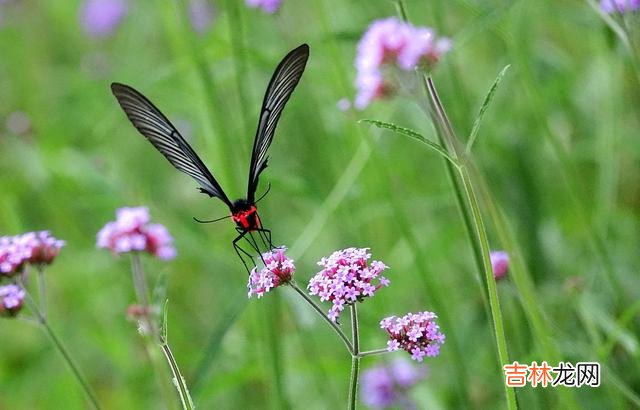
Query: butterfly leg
x: 240, y: 251
x: 265, y: 235
x: 254, y: 244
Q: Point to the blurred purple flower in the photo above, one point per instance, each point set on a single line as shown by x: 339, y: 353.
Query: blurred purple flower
x: 201, y: 14
x: 31, y: 247
x: 11, y: 299
x: 14, y: 253
x: 388, y: 385
x: 18, y: 123
x: 499, y: 264
x: 619, y: 6
x: 346, y: 278
x: 268, y: 6
x: 416, y: 333
x: 101, y: 17
x: 44, y: 247
x: 278, y: 271
x: 132, y: 232
x: 344, y: 104
x: 392, y: 42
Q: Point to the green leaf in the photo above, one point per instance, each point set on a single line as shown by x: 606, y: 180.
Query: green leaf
x: 485, y: 105
x: 412, y: 134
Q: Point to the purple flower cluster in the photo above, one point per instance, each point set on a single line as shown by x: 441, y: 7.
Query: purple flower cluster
x: 268, y: 6
x: 201, y: 14
x: 387, y: 385
x: 11, y: 299
x: 346, y: 278
x: 32, y: 247
x: 100, y: 18
x: 391, y: 41
x: 416, y: 333
x: 619, y: 6
x: 278, y: 270
x: 131, y: 231
x: 499, y: 264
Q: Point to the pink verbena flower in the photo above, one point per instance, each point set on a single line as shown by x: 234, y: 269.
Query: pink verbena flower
x: 278, y: 270
x: 44, y: 247
x: 11, y: 299
x: 268, y: 6
x: 391, y: 42
x: 15, y: 252
x: 346, y: 278
x: 388, y: 385
x: 416, y: 333
x: 131, y: 231
x: 101, y: 17
x: 619, y: 6
x: 38, y: 248
x: 499, y: 264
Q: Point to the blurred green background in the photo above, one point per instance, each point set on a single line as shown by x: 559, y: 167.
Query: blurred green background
x: 559, y: 149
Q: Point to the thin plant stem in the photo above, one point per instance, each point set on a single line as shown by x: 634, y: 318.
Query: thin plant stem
x: 373, y: 352
x: 150, y: 331
x: 452, y: 173
x: 534, y: 312
x: 181, y: 385
x: 494, y: 302
x: 318, y: 310
x: 42, y: 320
x: 355, y: 357
x: 139, y: 280
x: 402, y: 11
x: 42, y: 291
x: 67, y: 357
x: 443, y: 126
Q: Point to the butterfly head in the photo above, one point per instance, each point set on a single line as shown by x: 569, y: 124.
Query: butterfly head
x: 245, y: 214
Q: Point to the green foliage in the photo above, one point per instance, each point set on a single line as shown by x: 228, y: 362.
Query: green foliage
x: 556, y: 170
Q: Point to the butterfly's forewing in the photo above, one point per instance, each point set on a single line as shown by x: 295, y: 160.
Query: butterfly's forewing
x: 163, y: 135
x: 284, y: 80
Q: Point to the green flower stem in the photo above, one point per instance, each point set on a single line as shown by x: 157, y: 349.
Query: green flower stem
x: 42, y: 320
x: 318, y: 310
x: 402, y: 11
x: 494, y: 302
x: 181, y: 385
x: 452, y: 172
x: 373, y: 352
x: 439, y: 117
x: 453, y: 175
x: 139, y: 281
x: 42, y: 291
x: 152, y: 334
x: 355, y: 357
x: 76, y: 371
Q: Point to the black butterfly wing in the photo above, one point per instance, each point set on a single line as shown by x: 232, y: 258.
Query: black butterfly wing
x: 284, y: 80
x: 165, y: 137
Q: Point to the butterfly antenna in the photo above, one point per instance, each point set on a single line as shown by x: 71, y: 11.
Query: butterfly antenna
x: 265, y: 192
x: 211, y: 221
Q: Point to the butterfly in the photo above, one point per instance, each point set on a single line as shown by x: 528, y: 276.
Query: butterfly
x: 159, y: 131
